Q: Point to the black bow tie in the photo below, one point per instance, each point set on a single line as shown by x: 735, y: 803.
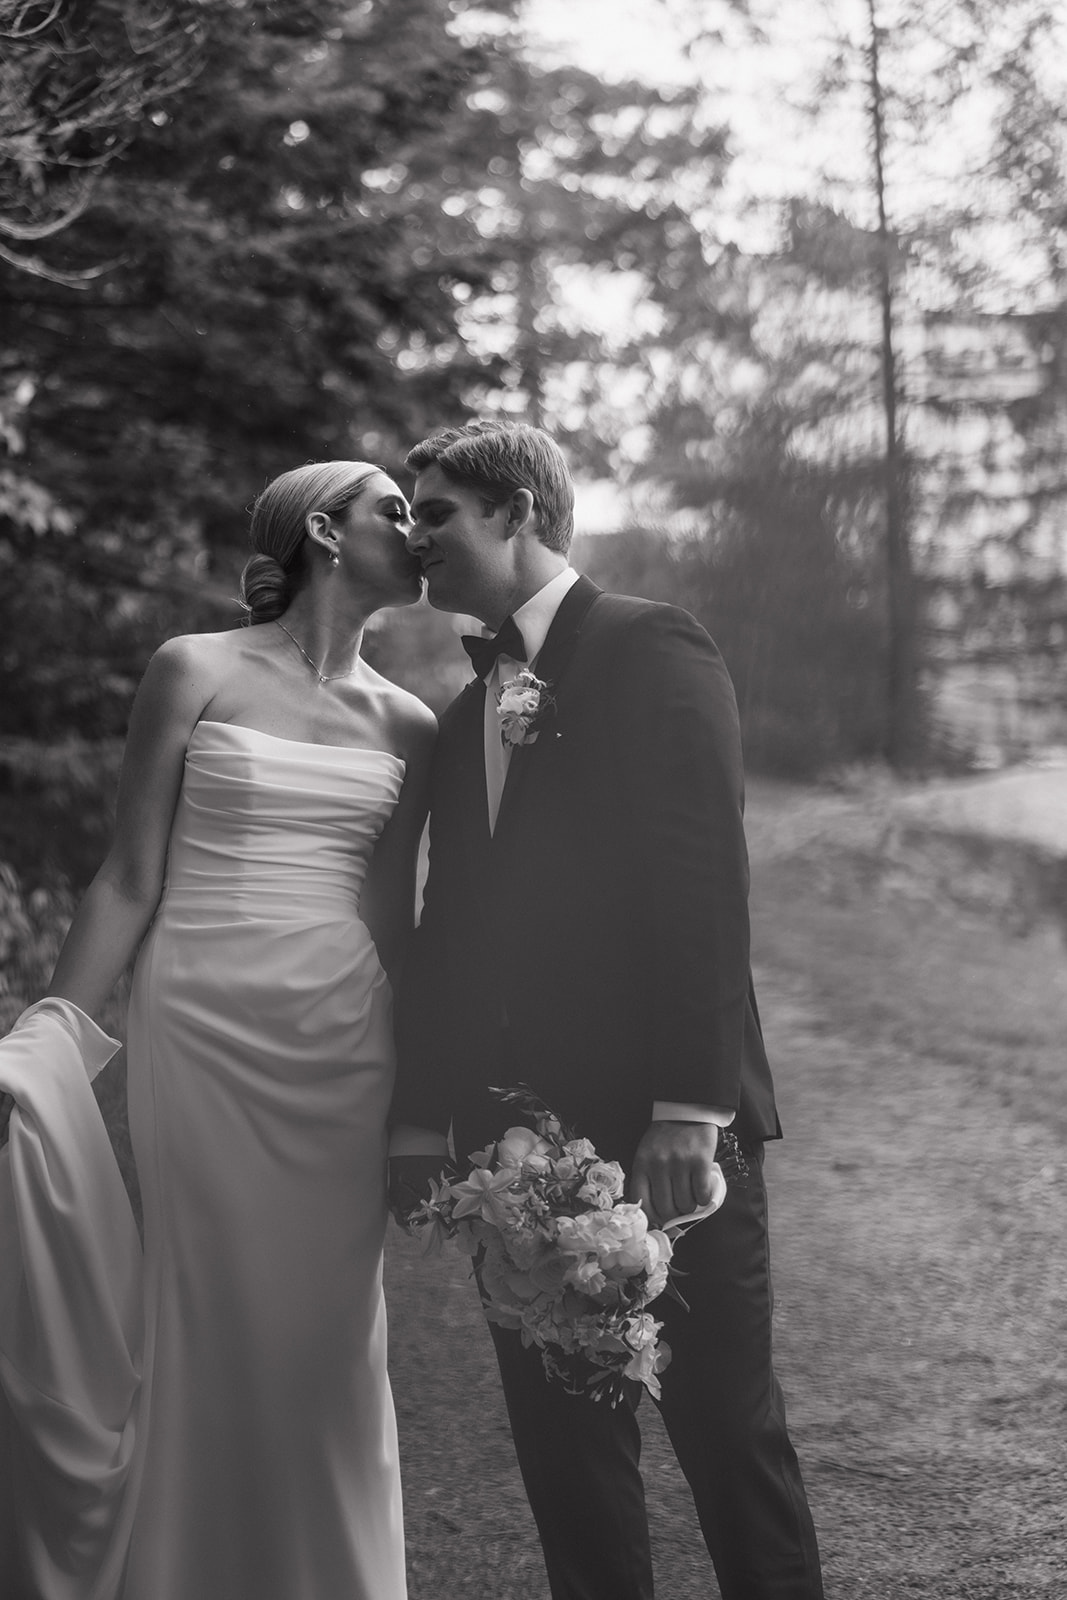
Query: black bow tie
x: 484, y: 652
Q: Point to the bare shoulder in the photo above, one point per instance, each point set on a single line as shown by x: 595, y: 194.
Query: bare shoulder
x: 187, y: 671
x: 411, y: 721
x: 403, y: 711
x: 199, y: 655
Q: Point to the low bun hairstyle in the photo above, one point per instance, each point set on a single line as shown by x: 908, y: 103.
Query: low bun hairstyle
x: 266, y: 588
x: 278, y: 534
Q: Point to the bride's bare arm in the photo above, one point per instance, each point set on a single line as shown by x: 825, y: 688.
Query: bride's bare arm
x: 387, y: 904
x: 121, y: 900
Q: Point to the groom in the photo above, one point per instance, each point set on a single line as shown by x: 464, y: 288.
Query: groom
x: 585, y: 931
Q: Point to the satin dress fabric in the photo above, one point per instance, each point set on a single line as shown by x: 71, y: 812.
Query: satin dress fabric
x: 263, y: 1462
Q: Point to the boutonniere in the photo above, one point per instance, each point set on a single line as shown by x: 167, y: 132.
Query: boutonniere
x: 522, y: 704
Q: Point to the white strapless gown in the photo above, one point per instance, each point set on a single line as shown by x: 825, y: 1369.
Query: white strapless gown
x: 255, y: 1457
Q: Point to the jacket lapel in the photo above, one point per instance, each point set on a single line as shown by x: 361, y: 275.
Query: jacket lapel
x: 550, y: 666
x: 461, y: 759
x: 556, y: 652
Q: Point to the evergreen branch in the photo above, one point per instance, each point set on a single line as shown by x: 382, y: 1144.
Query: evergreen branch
x: 40, y: 269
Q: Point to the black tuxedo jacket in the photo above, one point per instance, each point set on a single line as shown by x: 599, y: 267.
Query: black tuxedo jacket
x: 596, y: 945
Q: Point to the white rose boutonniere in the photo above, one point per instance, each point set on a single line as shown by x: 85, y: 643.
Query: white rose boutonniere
x: 522, y: 705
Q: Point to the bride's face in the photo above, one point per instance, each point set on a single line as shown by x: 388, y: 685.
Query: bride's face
x: 372, y: 548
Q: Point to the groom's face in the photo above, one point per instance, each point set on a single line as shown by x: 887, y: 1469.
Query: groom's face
x: 465, y: 553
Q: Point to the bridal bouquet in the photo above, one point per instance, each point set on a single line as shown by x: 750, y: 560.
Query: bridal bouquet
x: 560, y: 1255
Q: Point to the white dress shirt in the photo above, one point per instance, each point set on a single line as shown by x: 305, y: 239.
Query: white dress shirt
x: 533, y: 620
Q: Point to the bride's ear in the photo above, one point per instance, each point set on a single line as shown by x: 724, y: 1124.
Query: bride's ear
x: 320, y: 530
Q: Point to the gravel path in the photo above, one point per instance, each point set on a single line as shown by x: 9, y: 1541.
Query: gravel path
x: 921, y: 1263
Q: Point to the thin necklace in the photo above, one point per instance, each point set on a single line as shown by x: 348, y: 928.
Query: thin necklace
x: 323, y: 677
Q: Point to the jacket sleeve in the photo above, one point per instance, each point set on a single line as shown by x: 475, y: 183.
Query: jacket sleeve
x: 679, y: 752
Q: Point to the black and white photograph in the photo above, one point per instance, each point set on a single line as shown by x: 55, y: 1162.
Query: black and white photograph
x: 533, y: 800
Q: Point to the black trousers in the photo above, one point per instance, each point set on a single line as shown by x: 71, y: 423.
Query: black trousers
x: 725, y: 1415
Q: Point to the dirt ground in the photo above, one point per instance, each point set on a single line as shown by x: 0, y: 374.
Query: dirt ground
x: 919, y: 1244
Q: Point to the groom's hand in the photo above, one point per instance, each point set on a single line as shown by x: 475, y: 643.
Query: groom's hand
x: 409, y: 1183
x: 672, y: 1171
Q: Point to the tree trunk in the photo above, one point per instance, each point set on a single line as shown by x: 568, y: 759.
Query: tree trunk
x: 901, y: 731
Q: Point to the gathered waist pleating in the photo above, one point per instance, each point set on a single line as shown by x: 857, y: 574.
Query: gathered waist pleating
x: 271, y: 898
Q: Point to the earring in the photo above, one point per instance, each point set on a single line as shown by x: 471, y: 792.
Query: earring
x: 335, y: 559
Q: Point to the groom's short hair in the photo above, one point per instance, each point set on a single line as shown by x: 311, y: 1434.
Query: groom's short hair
x: 496, y: 458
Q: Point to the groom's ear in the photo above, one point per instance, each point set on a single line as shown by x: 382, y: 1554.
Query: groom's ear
x: 521, y: 511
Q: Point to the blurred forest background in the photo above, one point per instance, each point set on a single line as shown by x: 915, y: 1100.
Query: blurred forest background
x: 236, y: 235
x: 788, y: 279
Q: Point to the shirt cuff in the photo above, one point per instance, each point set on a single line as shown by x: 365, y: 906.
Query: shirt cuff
x: 408, y: 1141
x: 682, y: 1111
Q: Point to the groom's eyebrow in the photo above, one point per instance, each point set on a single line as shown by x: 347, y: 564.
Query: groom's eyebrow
x: 438, y: 503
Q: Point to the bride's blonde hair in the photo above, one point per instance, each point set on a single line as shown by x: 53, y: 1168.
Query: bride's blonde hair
x: 278, y: 533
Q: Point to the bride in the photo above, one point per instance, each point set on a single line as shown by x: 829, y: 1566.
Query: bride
x: 214, y: 1422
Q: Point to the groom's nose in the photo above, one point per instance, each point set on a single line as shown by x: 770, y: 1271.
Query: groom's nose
x: 416, y: 537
